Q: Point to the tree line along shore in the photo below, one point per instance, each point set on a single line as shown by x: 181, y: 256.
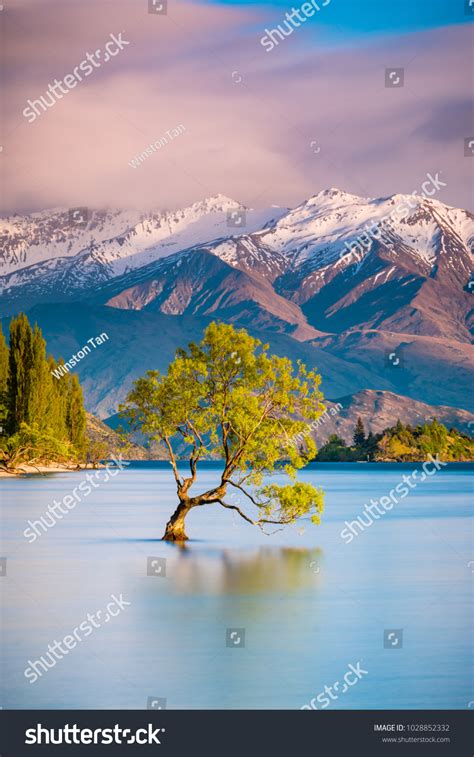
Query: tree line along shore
x: 42, y: 418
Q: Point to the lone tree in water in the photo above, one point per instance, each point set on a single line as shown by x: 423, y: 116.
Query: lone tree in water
x: 227, y: 398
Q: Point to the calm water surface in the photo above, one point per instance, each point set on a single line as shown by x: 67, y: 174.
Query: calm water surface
x: 310, y: 604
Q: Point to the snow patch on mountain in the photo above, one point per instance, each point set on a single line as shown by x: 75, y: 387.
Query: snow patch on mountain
x: 123, y: 239
x: 46, y: 256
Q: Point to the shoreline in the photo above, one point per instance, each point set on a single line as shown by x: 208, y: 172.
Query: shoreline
x: 41, y: 470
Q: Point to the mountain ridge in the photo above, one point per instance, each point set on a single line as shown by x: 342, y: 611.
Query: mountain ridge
x: 311, y: 280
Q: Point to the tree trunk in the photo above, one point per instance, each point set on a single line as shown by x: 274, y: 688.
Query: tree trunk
x: 175, y: 526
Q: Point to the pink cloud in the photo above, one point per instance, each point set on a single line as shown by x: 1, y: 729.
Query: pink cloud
x: 249, y: 116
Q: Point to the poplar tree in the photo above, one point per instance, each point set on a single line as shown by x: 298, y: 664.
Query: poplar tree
x: 40, y: 384
x: 3, y: 380
x: 19, y: 374
x: 76, y: 415
x: 58, y: 402
x: 33, y: 403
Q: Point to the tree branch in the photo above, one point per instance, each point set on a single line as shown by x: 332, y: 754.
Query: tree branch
x: 258, y: 522
x: 237, y: 509
x: 173, y: 461
x: 237, y: 486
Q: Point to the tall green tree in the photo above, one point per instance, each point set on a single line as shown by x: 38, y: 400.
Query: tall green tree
x: 228, y: 398
x: 35, y: 404
x: 19, y: 374
x: 3, y: 382
x: 58, y: 402
x: 76, y: 415
x: 29, y: 379
x: 359, y: 433
x: 40, y: 384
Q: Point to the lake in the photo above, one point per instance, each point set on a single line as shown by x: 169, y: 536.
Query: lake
x: 239, y: 619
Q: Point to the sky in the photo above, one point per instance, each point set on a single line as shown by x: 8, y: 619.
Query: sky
x: 263, y: 126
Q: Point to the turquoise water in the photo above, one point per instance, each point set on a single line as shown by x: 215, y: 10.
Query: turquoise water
x: 310, y: 604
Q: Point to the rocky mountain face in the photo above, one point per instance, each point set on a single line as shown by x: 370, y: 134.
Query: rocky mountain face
x: 99, y: 433
x: 373, y: 292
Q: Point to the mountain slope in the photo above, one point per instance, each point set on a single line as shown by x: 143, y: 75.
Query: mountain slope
x: 380, y: 410
x: 199, y: 283
x: 100, y: 433
x: 48, y: 256
x: 409, y: 274
x: 140, y: 340
x: 412, y: 280
x: 401, y: 291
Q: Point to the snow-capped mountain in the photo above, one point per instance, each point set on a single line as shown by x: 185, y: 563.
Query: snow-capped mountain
x: 339, y: 280
x: 116, y: 234
x: 61, y: 253
x: 340, y: 261
x: 310, y: 244
x: 334, y: 231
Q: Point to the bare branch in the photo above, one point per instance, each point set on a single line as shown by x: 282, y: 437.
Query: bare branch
x: 173, y: 462
x: 260, y: 522
x: 237, y: 509
x: 237, y: 486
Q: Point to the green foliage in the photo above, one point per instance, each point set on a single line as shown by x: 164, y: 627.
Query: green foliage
x: 20, y: 370
x: 288, y: 503
x: 406, y: 443
x: 75, y: 414
x: 359, y: 433
x: 33, y: 446
x: 335, y: 450
x: 3, y: 380
x: 227, y: 398
x: 34, y: 402
x: 401, y: 443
